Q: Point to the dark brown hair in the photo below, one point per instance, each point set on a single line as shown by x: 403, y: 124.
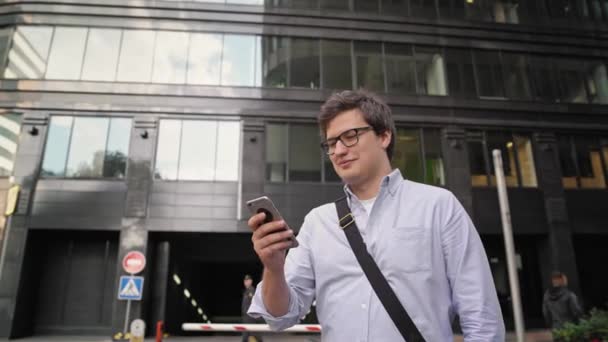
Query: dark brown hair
x: 375, y: 112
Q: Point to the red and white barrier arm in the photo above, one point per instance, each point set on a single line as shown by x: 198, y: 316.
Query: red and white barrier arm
x: 310, y: 328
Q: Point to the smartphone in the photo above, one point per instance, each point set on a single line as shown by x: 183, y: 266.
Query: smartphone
x: 264, y: 205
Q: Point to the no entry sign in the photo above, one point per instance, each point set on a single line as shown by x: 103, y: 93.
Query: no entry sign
x: 134, y: 262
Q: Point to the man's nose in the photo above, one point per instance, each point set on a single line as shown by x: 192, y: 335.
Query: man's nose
x: 340, y: 148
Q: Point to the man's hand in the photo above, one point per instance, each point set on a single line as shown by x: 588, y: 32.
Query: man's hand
x: 270, y: 241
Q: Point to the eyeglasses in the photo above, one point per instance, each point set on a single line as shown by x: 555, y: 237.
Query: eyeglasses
x: 347, y: 138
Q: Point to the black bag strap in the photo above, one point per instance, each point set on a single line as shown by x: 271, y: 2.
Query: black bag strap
x: 383, y: 290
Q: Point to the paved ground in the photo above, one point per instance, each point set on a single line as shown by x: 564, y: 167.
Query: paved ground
x: 533, y: 336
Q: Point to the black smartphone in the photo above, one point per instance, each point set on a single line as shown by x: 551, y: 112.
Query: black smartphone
x: 264, y: 205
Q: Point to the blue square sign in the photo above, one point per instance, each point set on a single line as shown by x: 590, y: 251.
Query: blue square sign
x: 131, y: 288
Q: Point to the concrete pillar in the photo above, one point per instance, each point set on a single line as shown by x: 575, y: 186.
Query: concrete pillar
x: 456, y: 159
x: 15, y: 319
x: 252, y: 178
x: 556, y: 250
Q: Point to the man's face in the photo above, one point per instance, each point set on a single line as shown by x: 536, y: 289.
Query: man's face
x: 354, y: 164
x: 248, y: 282
x: 557, y: 281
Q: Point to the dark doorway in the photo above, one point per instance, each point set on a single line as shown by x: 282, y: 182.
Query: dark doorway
x: 591, y: 252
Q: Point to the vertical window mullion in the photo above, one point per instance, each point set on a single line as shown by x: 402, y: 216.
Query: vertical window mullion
x: 48, y: 53
x: 179, y: 149
x: 122, y: 34
x: 105, y: 152
x: 84, y: 52
x: 150, y: 79
x: 67, y: 156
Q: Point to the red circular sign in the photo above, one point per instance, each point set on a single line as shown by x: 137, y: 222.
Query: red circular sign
x: 134, y: 262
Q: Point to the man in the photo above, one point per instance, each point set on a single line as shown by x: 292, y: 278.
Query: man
x: 248, y: 294
x: 420, y: 236
x: 560, y: 305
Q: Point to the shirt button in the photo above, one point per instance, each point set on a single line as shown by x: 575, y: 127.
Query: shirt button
x: 363, y: 306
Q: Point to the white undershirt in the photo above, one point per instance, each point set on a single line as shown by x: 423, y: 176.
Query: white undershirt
x: 368, y: 204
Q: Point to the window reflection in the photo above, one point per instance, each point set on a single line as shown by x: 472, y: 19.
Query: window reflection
x: 204, y: 59
x: 101, y: 56
x: 136, y: 52
x: 197, y: 150
x: 589, y: 161
x: 57, y: 144
x: 275, y: 54
x: 461, y: 77
x: 571, y: 79
x: 368, y: 59
x: 67, y: 52
x: 10, y: 127
x: 489, y: 73
x: 597, y: 80
x: 567, y: 163
x: 504, y: 143
x: 337, y: 72
x: 117, y: 148
x: 433, y: 161
x: 304, y: 153
x: 543, y: 78
x: 239, y: 60
x: 29, y: 52
x: 477, y: 163
x: 167, y: 150
x: 170, y: 57
x: 276, y: 152
x: 304, y: 68
x: 430, y: 71
x: 400, y: 69
x: 87, y: 148
x: 407, y: 156
x: 517, y: 85
x: 228, y: 151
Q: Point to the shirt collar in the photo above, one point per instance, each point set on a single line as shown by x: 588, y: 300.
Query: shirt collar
x: 390, y: 182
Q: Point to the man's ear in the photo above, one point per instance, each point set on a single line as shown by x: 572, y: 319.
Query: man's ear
x: 386, y: 138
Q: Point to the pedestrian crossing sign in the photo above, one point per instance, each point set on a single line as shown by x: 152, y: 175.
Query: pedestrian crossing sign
x: 131, y: 288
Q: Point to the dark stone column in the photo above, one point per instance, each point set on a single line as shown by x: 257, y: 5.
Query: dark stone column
x: 158, y: 296
x: 556, y: 250
x: 133, y: 234
x: 456, y: 159
x: 254, y: 165
x: 16, y: 319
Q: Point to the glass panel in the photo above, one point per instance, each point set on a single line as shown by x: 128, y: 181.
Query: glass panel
x: 395, y: 7
x: 400, y: 69
x: 503, y: 142
x: 276, y: 153
x: 368, y: 58
x: 459, y: 63
x: 29, y: 52
x: 197, y: 151
x: 477, y: 164
x: 516, y: 76
x: 571, y: 80
x: 430, y: 71
x: 10, y: 127
x: 57, y: 145
x: 543, y: 78
x: 101, y: 57
x: 369, y: 6
x: 489, y: 73
x: 526, y: 160
x: 167, y: 150
x: 589, y: 162
x: 567, y: 162
x: 238, y: 60
x: 136, y: 56
x: 435, y: 173
x: 423, y: 9
x: 87, y: 147
x: 67, y: 51
x: 337, y: 71
x: 597, y: 82
x: 115, y: 164
x: 305, y: 70
x: 407, y: 154
x: 170, y: 57
x: 506, y: 11
x: 228, y: 151
x: 335, y: 4
x: 304, y: 153
x: 275, y: 52
x: 205, y: 58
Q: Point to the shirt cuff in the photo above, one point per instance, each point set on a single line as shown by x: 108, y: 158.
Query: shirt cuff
x: 258, y: 309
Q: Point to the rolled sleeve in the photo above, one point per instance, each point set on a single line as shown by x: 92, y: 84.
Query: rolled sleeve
x: 258, y: 309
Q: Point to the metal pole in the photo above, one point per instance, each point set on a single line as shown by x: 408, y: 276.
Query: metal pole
x: 505, y: 214
x: 127, y: 317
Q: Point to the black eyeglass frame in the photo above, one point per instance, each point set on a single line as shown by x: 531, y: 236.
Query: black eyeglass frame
x: 325, y: 145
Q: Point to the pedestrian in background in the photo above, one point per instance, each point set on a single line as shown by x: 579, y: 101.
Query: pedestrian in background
x: 560, y: 305
x: 245, y: 304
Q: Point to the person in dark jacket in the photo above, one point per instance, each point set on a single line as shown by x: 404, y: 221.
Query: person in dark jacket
x: 245, y: 304
x: 560, y: 305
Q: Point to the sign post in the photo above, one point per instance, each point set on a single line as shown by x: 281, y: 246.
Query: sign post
x: 131, y: 287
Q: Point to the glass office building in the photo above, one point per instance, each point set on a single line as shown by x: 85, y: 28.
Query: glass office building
x: 145, y: 125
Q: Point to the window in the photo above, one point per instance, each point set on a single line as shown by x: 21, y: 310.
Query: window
x: 29, y: 52
x: 200, y: 150
x: 517, y: 158
x: 87, y: 147
x: 571, y: 80
x: 239, y: 60
x: 430, y: 71
x: 583, y: 162
x: 461, y: 76
x: 506, y: 11
x: 517, y: 85
x: 170, y: 57
x: 101, y: 57
x: 275, y: 55
x: 489, y: 74
x: 395, y: 7
x: 337, y: 71
x: 597, y: 81
x: 67, y: 51
x: 543, y: 78
x: 136, y: 52
x: 368, y: 59
x: 400, y: 69
x: 293, y: 153
x: 418, y: 155
x: 304, y: 63
x: 205, y: 58
x: 10, y: 128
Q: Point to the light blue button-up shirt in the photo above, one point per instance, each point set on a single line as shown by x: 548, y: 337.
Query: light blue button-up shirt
x: 425, y: 245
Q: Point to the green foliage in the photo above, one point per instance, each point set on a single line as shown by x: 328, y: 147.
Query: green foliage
x: 593, y: 328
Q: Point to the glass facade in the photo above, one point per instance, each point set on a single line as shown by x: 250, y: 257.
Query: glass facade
x: 583, y: 162
x: 86, y: 147
x: 517, y: 157
x: 198, y: 150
